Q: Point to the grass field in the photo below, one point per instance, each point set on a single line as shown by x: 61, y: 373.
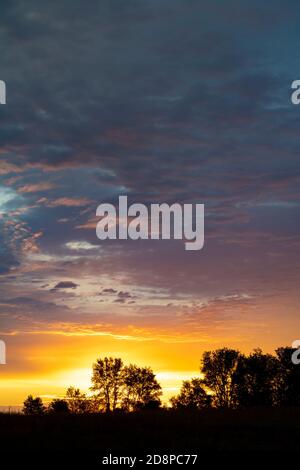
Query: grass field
x: 159, y: 432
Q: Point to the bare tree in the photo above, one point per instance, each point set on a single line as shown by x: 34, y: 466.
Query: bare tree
x: 77, y: 401
x: 107, y: 381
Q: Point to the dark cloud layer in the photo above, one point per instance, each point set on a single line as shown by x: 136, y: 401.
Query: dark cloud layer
x: 166, y: 101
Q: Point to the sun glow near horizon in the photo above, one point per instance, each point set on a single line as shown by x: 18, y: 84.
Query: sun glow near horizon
x: 56, y: 384
x: 47, y: 364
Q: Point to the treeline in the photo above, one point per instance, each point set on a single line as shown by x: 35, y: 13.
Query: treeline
x: 228, y: 379
x: 114, y: 386
x: 234, y: 380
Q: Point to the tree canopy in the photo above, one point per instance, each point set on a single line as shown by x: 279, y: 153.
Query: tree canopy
x: 228, y: 379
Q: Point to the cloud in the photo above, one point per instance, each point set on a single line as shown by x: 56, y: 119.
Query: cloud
x: 65, y: 201
x: 7, y: 168
x: 109, y: 290
x: 81, y: 246
x: 124, y: 295
x: 65, y: 285
x: 35, y: 187
x: 7, y: 197
x: 140, y: 107
x: 120, y: 301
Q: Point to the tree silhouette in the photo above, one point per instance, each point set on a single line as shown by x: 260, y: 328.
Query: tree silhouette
x: 33, y: 406
x: 192, y: 396
x: 219, y: 369
x: 77, y: 401
x: 229, y: 380
x: 107, y: 381
x: 140, y: 388
x: 288, y: 393
x: 256, y: 379
x: 58, y: 406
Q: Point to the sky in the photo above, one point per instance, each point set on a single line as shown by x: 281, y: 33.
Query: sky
x: 164, y: 101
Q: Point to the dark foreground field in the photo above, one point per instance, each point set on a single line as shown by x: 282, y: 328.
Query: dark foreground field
x: 151, y: 432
